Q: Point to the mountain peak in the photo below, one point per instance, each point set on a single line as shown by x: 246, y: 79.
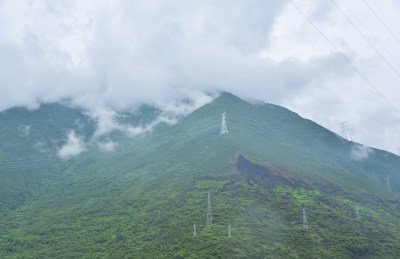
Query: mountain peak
x: 229, y: 97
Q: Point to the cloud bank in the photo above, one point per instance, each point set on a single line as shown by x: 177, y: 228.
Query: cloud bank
x: 121, y: 53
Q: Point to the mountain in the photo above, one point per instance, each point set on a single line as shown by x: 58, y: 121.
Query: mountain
x: 141, y: 198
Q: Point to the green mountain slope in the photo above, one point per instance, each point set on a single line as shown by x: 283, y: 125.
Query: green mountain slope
x: 142, y: 199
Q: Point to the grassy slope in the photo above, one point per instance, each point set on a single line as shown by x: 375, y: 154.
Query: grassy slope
x: 142, y: 199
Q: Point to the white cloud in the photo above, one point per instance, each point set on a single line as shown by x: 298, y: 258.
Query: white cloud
x: 24, y: 130
x: 107, y: 119
x: 124, y: 53
x: 360, y: 152
x: 113, y: 55
x: 107, y: 145
x: 74, y: 146
x: 40, y: 146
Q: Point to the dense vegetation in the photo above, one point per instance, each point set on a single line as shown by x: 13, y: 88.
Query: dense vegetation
x: 142, y: 199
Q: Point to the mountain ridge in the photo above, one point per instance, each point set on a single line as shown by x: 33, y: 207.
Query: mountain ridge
x: 142, y: 198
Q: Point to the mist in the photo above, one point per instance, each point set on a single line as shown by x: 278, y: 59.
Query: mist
x: 111, y: 56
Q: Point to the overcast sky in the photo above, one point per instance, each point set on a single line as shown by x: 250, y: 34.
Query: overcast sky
x: 116, y: 54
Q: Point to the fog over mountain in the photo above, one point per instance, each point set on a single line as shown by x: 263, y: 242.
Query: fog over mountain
x: 113, y: 55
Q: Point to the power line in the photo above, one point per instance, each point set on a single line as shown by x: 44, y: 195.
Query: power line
x: 346, y: 59
x: 366, y: 39
x: 383, y: 23
x: 386, y: 16
x: 370, y: 33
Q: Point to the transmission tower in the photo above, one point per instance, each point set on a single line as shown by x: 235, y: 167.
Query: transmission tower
x: 344, y: 129
x: 224, y: 128
x: 209, y: 214
x: 194, y: 230
x: 350, y: 133
x: 389, y: 188
x: 357, y: 213
x: 229, y: 230
x: 305, y: 223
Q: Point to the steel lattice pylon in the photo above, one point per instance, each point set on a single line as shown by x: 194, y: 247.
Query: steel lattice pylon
x: 389, y: 188
x: 357, y: 213
x: 209, y: 214
x: 224, y: 128
x: 305, y: 223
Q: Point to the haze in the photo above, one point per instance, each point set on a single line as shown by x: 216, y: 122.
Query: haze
x: 108, y: 56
